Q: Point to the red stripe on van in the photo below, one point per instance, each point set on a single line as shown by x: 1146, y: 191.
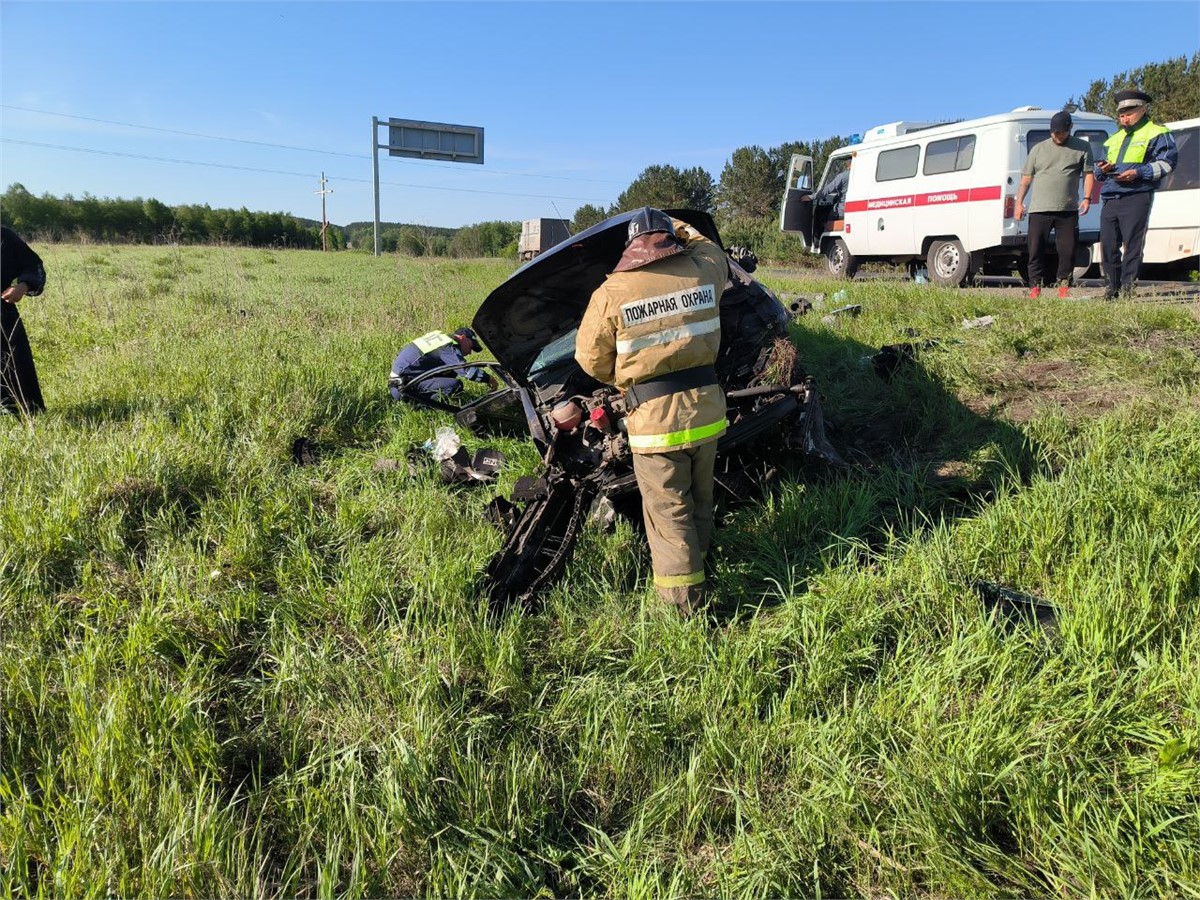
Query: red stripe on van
x: 934, y: 198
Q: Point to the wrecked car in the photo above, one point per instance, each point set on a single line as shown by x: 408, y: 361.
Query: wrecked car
x: 529, y: 323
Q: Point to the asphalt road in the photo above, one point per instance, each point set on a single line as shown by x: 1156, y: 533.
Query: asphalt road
x: 1177, y: 291
x: 1153, y: 290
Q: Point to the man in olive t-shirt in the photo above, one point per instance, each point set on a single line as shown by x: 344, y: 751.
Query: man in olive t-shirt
x: 1054, y: 167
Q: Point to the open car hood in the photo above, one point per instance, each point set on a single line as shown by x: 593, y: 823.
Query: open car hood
x: 545, y: 299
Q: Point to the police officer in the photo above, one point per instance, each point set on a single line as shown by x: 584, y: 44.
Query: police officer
x: 653, y: 330
x: 21, y: 275
x: 1136, y: 158
x: 430, y: 351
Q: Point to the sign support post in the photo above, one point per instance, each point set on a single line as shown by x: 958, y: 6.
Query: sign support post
x: 423, y: 140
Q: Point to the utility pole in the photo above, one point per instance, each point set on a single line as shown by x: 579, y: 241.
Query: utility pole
x: 324, y: 221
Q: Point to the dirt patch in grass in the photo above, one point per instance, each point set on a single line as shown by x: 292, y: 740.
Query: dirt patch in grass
x: 1166, y: 339
x: 1022, y: 388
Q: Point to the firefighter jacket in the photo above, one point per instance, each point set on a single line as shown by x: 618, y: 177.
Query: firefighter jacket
x: 648, y: 323
x: 1148, y: 147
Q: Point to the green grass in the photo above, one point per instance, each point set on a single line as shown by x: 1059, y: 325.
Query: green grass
x: 225, y: 675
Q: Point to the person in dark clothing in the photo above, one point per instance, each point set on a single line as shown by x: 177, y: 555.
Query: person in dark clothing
x: 430, y: 351
x: 833, y: 194
x: 830, y: 201
x: 21, y: 275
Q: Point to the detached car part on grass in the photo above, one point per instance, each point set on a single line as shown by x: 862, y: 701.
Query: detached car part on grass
x: 530, y: 321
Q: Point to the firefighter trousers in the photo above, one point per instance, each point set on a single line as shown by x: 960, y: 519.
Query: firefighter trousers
x: 677, y: 504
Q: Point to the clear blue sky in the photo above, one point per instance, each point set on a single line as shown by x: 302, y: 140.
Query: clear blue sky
x: 575, y: 98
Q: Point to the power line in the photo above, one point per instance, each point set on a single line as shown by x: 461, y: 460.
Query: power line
x: 218, y: 137
x: 211, y: 137
x: 307, y: 175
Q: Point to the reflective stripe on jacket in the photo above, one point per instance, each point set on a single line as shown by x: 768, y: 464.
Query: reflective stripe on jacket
x: 649, y: 322
x: 1148, y: 147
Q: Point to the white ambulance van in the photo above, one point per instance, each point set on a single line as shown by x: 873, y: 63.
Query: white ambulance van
x: 938, y: 195
x: 1173, y: 236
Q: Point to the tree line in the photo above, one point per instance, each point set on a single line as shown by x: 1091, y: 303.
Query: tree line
x: 150, y: 221
x: 744, y: 200
x: 482, y: 239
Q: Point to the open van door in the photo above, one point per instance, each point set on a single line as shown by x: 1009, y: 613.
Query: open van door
x: 796, y: 216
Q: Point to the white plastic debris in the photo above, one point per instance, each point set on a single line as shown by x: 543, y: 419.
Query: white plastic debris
x: 445, y: 443
x: 981, y: 322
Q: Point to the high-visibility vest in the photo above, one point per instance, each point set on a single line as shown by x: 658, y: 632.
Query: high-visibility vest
x: 427, y: 343
x: 1129, y: 147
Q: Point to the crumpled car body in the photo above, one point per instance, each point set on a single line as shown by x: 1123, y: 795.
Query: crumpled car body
x: 529, y: 323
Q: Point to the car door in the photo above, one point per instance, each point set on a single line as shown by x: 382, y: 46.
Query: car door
x: 796, y: 214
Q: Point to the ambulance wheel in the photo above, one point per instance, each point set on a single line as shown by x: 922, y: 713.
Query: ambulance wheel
x: 948, y: 263
x: 841, y: 262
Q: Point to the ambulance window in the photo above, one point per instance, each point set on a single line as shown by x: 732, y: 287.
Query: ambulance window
x: 1033, y: 138
x: 1095, y: 140
x: 1186, y: 175
x: 951, y: 155
x: 800, y: 180
x: 895, y: 164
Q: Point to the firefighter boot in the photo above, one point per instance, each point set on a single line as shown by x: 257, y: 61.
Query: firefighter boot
x: 1034, y: 293
x: 687, y: 600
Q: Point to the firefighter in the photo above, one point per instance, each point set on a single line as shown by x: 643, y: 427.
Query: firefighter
x: 431, y: 351
x: 1136, y: 157
x: 653, y: 330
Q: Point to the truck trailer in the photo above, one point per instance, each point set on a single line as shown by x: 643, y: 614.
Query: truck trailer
x: 539, y: 235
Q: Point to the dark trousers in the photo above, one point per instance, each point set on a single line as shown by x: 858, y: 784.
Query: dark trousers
x: 1123, y: 220
x: 19, y: 387
x: 435, y: 389
x: 1066, y: 236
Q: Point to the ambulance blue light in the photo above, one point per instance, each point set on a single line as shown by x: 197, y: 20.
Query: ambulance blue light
x: 856, y: 138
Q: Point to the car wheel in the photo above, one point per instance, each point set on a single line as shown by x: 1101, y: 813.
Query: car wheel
x: 948, y: 263
x: 841, y: 262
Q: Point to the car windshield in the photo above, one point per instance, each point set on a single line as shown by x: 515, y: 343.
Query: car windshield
x: 559, y: 351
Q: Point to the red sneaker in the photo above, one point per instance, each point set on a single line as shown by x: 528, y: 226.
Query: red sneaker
x: 1034, y: 293
x: 1062, y: 291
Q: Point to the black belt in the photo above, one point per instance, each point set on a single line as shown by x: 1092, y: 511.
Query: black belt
x: 671, y: 383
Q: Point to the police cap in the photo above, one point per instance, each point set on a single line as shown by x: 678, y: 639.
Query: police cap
x: 470, y: 335
x: 1129, y: 99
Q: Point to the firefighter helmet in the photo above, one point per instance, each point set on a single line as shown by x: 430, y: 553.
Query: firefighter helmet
x: 648, y: 220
